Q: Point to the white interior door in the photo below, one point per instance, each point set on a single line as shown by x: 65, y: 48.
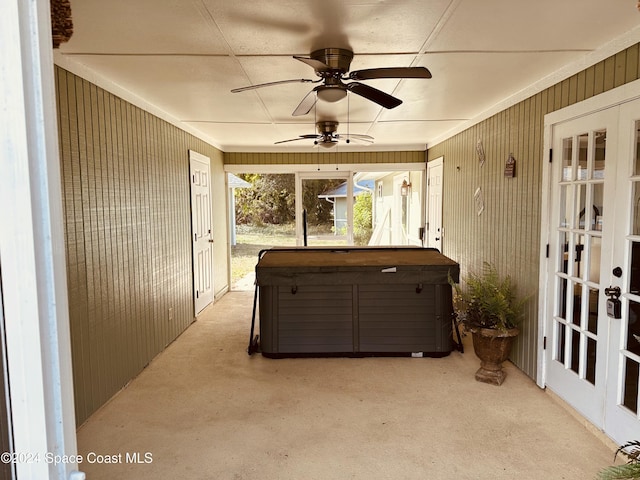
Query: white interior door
x: 622, y: 419
x: 201, y: 230
x: 434, y: 204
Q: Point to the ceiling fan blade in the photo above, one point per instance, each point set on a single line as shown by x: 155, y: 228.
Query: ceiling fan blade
x: 291, y: 140
x: 358, y: 136
x: 306, y: 104
x: 378, y: 96
x: 393, y: 72
x: 313, y: 63
x: 270, y: 84
x: 364, y: 141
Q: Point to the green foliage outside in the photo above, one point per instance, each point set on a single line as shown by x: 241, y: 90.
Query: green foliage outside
x: 271, y: 200
x: 362, y: 219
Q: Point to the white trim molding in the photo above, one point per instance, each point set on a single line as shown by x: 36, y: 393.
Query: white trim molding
x: 32, y: 249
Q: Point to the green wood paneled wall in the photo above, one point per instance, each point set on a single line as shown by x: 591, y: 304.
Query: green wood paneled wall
x: 126, y: 200
x: 508, y: 232
x: 322, y: 158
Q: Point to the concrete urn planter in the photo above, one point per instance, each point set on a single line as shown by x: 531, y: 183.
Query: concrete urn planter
x: 492, y: 347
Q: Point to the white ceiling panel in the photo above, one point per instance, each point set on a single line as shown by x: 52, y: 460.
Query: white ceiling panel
x: 513, y: 25
x: 143, y: 26
x: 183, y: 57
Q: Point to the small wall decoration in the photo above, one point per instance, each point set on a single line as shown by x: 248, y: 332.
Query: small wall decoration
x: 477, y: 196
x: 510, y: 167
x: 480, y: 152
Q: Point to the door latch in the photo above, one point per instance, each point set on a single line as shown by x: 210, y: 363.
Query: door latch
x: 614, y: 305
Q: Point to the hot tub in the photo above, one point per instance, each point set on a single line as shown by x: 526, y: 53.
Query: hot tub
x: 355, y: 302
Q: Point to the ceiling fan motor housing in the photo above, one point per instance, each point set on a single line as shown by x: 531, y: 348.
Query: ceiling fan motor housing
x: 327, y: 127
x: 337, y: 59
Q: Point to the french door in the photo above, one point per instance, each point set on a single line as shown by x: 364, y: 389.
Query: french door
x: 591, y: 356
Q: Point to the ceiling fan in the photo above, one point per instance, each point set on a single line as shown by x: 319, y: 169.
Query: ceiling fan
x: 328, y: 137
x: 332, y: 65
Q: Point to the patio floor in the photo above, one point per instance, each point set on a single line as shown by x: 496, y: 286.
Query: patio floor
x: 204, y: 409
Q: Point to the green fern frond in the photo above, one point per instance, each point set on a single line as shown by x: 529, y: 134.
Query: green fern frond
x: 630, y: 471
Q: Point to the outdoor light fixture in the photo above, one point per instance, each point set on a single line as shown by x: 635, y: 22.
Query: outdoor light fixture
x: 405, y: 188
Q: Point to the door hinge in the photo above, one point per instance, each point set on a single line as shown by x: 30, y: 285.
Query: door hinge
x: 197, y: 294
x: 547, y: 253
x: 550, y: 155
x: 544, y: 343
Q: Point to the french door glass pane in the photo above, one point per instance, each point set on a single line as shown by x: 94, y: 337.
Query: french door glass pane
x: 565, y: 204
x: 636, y: 209
x: 577, y: 304
x: 600, y: 147
x: 592, y: 323
x: 583, y: 142
x: 580, y: 211
x: 591, y: 361
x: 597, y: 201
x: 636, y: 170
x: 595, y: 253
x: 633, y: 332
x: 560, y: 335
x: 630, y: 387
x: 634, y: 270
x: 567, y: 155
x: 575, y: 350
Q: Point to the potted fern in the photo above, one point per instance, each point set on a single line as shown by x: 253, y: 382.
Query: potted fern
x: 488, y: 307
x: 629, y: 471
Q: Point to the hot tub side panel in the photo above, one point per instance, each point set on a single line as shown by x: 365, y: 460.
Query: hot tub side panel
x: 306, y: 319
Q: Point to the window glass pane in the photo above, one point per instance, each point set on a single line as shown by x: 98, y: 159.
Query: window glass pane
x: 567, y: 154
x: 581, y: 212
x: 634, y: 286
x: 630, y: 397
x: 577, y: 304
x: 565, y: 204
x: 600, y: 145
x: 578, y: 257
x: 575, y: 350
x: 560, y: 335
x: 583, y: 142
x: 636, y: 170
x: 636, y: 209
x: 590, y: 373
x: 562, y: 299
x: 597, y: 200
x: 564, y: 260
x: 592, y: 321
x: 633, y: 334
x: 595, y: 252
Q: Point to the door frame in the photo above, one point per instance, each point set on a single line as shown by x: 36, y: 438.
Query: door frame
x: 347, y: 176
x: 603, y: 101
x: 33, y: 274
x: 435, y: 163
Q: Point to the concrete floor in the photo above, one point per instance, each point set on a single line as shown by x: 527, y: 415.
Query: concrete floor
x: 204, y: 409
